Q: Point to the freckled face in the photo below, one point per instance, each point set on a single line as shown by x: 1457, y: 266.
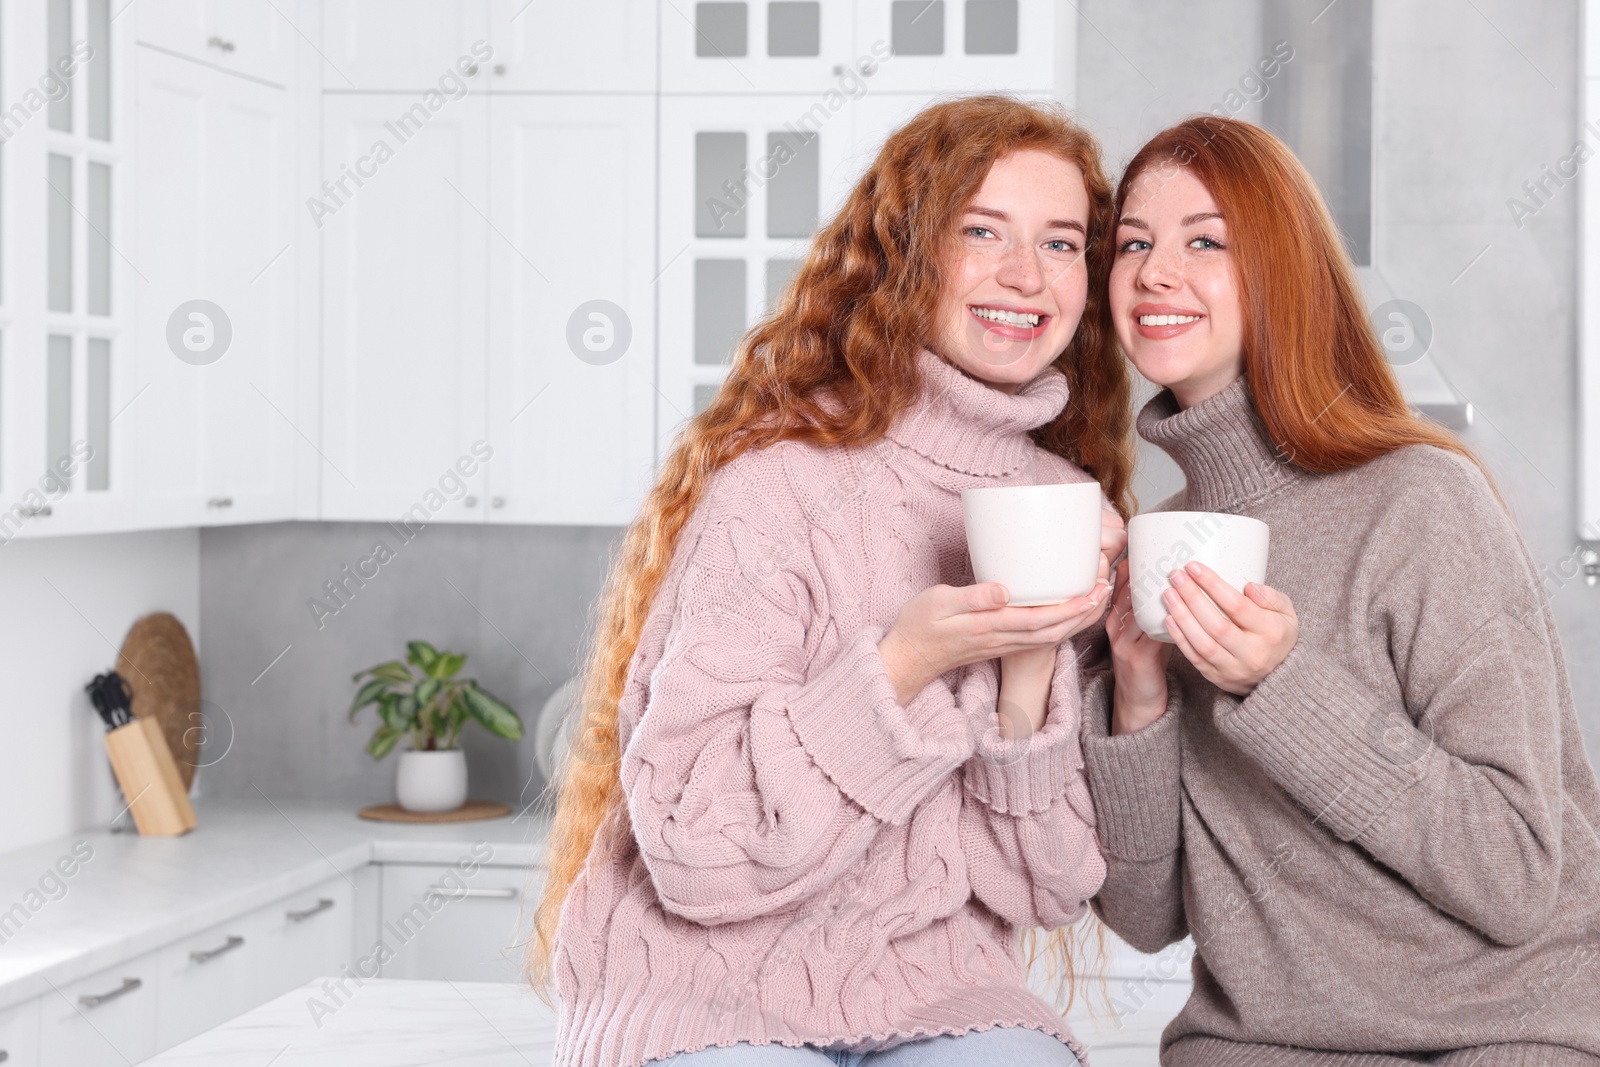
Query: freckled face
x: 1174, y: 294
x: 1016, y: 281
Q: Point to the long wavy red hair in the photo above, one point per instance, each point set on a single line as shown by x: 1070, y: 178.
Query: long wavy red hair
x: 1319, y: 377
x: 852, y: 319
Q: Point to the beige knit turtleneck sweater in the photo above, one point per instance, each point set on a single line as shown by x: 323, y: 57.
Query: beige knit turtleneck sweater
x: 1389, y: 851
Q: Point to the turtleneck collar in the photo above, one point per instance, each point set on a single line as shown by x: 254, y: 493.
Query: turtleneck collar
x: 972, y: 427
x: 1227, y: 457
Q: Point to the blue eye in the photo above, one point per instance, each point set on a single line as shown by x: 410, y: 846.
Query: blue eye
x: 1206, y: 242
x: 1066, y: 245
x: 970, y: 229
x: 1128, y: 245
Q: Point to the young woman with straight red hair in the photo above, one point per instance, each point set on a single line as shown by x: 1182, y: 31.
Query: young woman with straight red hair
x: 823, y: 779
x: 1360, y: 787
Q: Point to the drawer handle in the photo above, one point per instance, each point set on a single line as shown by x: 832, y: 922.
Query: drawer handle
x: 94, y: 1000
x: 205, y: 954
x: 322, y: 905
x: 460, y: 894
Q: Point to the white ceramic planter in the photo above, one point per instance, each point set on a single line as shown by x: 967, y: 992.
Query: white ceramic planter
x: 431, y: 781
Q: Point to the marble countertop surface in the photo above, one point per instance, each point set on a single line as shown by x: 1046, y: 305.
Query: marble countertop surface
x: 386, y: 1022
x: 393, y: 1023
x: 129, y: 894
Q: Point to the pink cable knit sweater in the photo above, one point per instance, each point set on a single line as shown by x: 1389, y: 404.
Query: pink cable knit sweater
x: 810, y: 861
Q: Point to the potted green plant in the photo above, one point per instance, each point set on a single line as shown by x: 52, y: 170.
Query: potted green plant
x: 430, y: 706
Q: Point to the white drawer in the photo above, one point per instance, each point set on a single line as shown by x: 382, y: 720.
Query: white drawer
x: 309, y: 935
x: 19, y: 1034
x: 441, y: 924
x: 107, y: 1018
x: 209, y: 977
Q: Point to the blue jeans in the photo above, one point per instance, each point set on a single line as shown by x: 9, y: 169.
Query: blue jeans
x: 1000, y: 1046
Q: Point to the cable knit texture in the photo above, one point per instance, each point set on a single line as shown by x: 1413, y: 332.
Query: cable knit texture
x: 809, y: 861
x: 1387, y: 852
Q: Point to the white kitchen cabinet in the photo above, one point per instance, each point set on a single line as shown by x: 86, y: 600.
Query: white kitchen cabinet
x: 962, y: 46
x: 108, y: 1018
x: 229, y: 968
x: 474, y: 931
x: 571, y: 382
x: 253, y: 38
x: 208, y: 977
x: 744, y: 183
x: 542, y: 46
x: 211, y: 415
x: 404, y: 309
x: 757, y: 47
x: 19, y: 1033
x: 389, y: 45
x: 305, y: 936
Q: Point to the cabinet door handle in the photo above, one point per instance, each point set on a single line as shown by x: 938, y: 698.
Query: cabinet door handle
x: 322, y: 904
x: 460, y: 894
x: 202, y: 955
x: 94, y: 1000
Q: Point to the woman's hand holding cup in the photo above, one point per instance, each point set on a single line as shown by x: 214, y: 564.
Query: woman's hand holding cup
x: 1234, y: 639
x: 947, y: 626
x: 1138, y: 664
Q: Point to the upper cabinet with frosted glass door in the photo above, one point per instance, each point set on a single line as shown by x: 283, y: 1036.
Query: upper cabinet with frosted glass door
x: 148, y: 377
x: 770, y: 112
x: 66, y: 293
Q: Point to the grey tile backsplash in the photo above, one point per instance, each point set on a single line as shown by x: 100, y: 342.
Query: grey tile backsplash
x: 279, y: 648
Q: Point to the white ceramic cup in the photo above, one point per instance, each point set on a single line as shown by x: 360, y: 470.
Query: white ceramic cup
x: 1042, y: 542
x: 1160, y: 542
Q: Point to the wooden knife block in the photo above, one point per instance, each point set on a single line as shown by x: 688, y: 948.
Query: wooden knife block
x: 149, y: 779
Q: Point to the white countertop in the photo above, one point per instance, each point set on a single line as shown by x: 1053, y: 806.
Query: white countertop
x: 134, y: 894
x: 384, y: 1023
x: 392, y: 1023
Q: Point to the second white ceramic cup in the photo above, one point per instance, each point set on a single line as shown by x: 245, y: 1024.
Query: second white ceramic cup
x: 1160, y: 542
x: 1041, y: 541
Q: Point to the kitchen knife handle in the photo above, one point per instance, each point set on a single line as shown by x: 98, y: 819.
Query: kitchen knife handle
x: 94, y: 1000
x: 322, y: 905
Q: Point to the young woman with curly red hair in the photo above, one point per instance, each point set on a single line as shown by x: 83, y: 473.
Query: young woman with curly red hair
x: 823, y: 779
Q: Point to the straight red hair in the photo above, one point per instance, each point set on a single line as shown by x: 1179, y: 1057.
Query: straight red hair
x: 1320, y: 380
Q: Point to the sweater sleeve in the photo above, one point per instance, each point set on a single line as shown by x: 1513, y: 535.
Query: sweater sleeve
x: 1027, y: 822
x: 1134, y: 779
x: 755, y: 776
x: 1459, y: 789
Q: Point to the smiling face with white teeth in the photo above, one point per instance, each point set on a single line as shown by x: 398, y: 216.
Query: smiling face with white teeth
x: 1016, y: 278
x: 1174, y: 294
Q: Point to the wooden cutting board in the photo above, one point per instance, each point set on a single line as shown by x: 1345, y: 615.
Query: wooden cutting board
x: 158, y: 661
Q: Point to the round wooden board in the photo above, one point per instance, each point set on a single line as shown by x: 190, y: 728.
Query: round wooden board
x: 471, y: 811
x: 157, y: 660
